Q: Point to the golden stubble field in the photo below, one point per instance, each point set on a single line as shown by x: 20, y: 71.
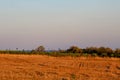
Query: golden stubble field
x: 39, y: 67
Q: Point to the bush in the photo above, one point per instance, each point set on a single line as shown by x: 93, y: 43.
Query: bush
x: 117, y: 53
x: 94, y: 54
x: 74, y: 49
x: 103, y: 55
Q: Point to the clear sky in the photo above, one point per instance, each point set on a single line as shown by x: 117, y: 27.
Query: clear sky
x: 26, y: 24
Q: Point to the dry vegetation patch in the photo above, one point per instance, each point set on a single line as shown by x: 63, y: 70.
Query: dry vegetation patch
x: 41, y: 67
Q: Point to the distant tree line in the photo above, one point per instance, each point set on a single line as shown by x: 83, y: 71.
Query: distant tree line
x: 72, y: 51
x: 94, y: 51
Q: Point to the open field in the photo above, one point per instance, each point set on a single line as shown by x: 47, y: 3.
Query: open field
x: 41, y: 67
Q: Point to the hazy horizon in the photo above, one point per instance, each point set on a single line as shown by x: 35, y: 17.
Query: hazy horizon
x: 26, y: 24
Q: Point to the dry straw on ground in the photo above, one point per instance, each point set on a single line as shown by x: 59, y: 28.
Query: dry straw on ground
x: 39, y: 67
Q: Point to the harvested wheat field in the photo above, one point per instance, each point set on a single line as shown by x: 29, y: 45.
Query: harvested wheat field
x: 39, y: 67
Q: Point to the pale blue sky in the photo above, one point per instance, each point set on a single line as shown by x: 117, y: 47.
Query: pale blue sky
x: 26, y: 24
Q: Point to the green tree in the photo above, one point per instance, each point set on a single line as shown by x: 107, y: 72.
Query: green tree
x: 117, y: 53
x: 74, y: 49
x: 40, y: 49
x: 91, y: 50
x: 109, y: 52
x: 102, y: 51
x: 105, y: 51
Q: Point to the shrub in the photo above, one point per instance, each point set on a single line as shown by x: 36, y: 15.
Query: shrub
x: 117, y: 53
x: 94, y: 54
x: 74, y: 49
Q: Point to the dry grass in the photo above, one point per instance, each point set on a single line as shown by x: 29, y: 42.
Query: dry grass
x: 39, y: 67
